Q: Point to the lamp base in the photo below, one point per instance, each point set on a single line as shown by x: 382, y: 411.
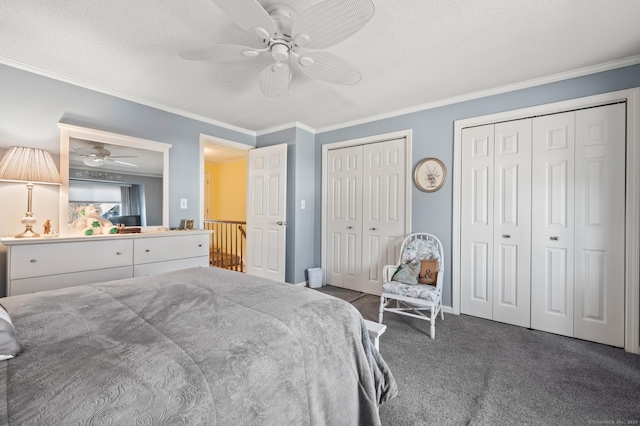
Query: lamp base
x: 28, y: 221
x: 28, y: 233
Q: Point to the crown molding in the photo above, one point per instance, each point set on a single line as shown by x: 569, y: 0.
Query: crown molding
x: 80, y: 83
x: 593, y: 69
x: 286, y: 126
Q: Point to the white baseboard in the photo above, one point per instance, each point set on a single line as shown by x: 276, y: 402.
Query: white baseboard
x: 301, y: 284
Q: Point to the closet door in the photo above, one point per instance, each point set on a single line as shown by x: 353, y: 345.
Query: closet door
x: 552, y: 258
x: 383, y: 227
x: 344, y: 217
x: 476, y: 246
x: 512, y: 223
x: 599, y: 222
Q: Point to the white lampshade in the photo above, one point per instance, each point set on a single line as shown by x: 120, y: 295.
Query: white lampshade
x: 28, y: 165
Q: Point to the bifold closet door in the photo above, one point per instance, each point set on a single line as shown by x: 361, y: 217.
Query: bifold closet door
x: 599, y: 221
x: 476, y: 249
x: 553, y: 229
x: 344, y: 217
x: 496, y: 222
x: 512, y: 223
x: 383, y: 199
x: 578, y: 224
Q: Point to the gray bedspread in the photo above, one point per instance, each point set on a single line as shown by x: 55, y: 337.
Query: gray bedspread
x: 201, y: 346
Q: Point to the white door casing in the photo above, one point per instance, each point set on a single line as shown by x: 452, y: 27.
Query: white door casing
x: 266, y: 212
x: 383, y: 212
x: 599, y: 223
x: 552, y: 225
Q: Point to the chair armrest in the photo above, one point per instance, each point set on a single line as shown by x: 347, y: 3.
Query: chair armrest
x: 387, y: 272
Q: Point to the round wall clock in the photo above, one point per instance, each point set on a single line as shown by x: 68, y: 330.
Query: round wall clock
x: 430, y: 174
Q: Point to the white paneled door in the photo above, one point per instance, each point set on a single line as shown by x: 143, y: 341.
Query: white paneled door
x: 543, y: 225
x: 476, y: 247
x: 266, y: 212
x: 512, y: 218
x: 365, y: 215
x: 552, y: 226
x: 599, y: 221
x: 383, y: 212
x: 344, y: 217
x: 578, y: 227
x: 496, y: 193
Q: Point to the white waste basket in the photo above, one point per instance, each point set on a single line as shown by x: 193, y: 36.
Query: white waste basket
x: 315, y: 277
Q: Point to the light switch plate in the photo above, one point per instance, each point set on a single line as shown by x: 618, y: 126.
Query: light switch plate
x: 183, y: 203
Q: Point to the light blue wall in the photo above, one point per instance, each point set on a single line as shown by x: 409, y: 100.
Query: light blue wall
x: 31, y: 106
x: 433, y: 137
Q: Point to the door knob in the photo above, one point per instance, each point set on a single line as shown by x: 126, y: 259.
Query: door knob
x: 281, y: 223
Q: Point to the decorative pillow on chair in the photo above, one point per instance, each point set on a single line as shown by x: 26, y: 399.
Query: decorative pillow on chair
x: 428, y: 271
x: 9, y: 346
x: 407, y: 273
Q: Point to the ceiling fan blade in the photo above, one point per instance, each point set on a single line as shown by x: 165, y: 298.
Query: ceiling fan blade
x: 330, y: 68
x: 221, y: 52
x: 275, y: 79
x: 249, y: 15
x: 122, y: 162
x: 330, y: 22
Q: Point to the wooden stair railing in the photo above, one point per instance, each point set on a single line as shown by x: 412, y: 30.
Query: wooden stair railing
x: 227, y: 244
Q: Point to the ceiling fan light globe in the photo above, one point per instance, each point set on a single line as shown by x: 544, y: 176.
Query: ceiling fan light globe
x: 280, y: 52
x: 93, y: 162
x: 302, y: 39
x: 306, y: 61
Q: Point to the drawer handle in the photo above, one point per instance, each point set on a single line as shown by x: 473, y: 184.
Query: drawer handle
x: 506, y: 235
x: 33, y: 261
x: 553, y: 238
x: 199, y: 245
x: 118, y: 253
x: 147, y: 250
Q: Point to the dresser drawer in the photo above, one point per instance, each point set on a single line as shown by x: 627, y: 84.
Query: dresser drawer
x: 58, y: 258
x: 54, y: 282
x: 170, y: 265
x: 159, y: 249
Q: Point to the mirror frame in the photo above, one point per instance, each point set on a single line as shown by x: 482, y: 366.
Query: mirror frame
x: 68, y: 131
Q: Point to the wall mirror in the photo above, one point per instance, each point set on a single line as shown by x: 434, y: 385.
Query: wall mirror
x: 127, y: 177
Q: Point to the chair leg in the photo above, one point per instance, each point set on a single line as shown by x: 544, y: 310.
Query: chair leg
x: 441, y: 312
x: 432, y: 329
x: 381, y: 309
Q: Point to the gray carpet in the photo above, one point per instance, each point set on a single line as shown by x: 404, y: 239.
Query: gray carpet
x: 479, y: 372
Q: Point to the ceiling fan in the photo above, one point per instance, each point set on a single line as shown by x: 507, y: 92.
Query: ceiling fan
x: 98, y: 155
x: 284, y: 34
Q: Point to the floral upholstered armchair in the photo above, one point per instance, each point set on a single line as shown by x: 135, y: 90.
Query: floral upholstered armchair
x: 413, y: 287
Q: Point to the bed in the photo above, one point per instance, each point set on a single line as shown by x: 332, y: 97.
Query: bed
x: 200, y: 346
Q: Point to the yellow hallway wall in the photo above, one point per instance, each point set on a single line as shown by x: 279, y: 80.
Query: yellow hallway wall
x: 227, y: 190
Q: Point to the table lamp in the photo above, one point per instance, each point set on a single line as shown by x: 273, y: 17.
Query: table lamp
x: 29, y: 165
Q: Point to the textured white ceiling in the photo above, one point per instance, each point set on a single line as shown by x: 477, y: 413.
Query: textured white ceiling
x: 412, y: 52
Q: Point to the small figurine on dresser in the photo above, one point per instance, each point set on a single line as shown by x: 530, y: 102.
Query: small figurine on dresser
x: 47, y: 227
x: 91, y: 223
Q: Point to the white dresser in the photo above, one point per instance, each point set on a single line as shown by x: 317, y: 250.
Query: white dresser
x: 41, y: 264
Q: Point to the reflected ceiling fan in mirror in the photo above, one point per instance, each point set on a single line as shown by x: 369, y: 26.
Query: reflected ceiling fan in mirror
x: 284, y: 34
x: 98, y: 155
